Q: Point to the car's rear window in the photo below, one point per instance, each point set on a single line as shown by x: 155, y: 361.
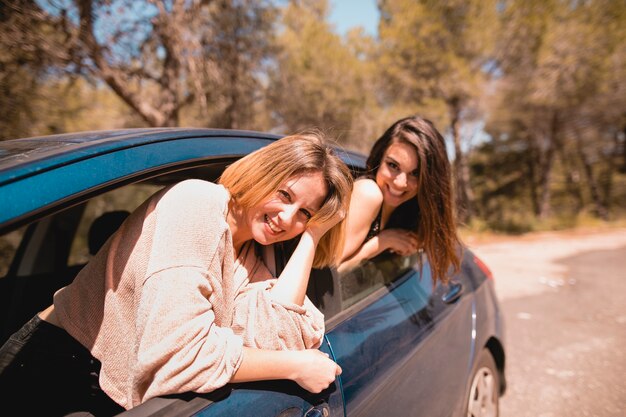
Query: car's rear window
x: 8, y: 246
x: 105, y: 212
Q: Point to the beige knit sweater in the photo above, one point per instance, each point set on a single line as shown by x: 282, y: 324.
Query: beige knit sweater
x: 165, y: 306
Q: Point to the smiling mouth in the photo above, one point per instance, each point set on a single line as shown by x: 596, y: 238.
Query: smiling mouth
x: 395, y: 193
x: 273, y: 227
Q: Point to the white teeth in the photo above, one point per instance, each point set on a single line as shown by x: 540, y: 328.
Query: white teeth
x: 272, y: 226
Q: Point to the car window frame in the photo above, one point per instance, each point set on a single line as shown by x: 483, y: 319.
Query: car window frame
x: 387, y: 288
x: 82, y: 197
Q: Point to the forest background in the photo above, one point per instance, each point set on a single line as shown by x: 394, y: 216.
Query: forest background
x: 530, y: 94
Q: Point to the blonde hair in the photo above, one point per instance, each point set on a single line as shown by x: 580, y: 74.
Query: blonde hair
x: 259, y: 175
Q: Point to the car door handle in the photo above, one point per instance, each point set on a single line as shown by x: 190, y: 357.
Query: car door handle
x: 320, y: 410
x: 453, y: 294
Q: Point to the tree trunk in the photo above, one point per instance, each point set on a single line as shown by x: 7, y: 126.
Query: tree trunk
x: 231, y: 113
x: 623, y: 164
x: 464, y: 195
x: 600, y: 209
x: 533, y: 157
x: 166, y: 113
x: 612, y: 167
x: 545, y: 174
x: 572, y: 177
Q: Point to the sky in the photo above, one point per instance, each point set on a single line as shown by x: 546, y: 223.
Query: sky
x: 346, y: 14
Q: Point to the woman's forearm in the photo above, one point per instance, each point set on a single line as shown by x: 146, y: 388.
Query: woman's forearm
x: 368, y: 250
x: 259, y: 364
x: 294, y: 279
x: 312, y: 369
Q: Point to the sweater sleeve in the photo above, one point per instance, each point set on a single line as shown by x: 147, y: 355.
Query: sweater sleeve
x: 185, y: 294
x: 265, y: 323
x: 181, y: 347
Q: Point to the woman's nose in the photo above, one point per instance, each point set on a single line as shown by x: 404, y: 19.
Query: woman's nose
x: 287, y: 214
x: 400, y: 180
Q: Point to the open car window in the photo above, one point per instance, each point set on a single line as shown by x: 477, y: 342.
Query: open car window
x: 102, y: 216
x: 9, y: 244
x: 376, y: 273
x: 43, y: 256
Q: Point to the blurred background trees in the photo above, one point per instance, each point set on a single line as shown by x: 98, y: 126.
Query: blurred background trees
x: 530, y: 94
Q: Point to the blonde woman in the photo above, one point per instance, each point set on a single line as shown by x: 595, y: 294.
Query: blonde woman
x: 178, y: 299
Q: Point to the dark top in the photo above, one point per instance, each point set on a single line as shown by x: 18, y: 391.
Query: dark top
x: 375, y: 226
x: 406, y: 216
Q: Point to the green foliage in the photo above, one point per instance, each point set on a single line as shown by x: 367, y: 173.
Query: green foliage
x: 545, y: 76
x: 319, y: 80
x: 558, y: 60
x: 24, y: 63
x: 436, y: 49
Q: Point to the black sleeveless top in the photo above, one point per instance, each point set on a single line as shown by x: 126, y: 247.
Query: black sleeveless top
x: 375, y: 226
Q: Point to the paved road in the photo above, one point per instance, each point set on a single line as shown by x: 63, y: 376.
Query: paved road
x: 564, y: 301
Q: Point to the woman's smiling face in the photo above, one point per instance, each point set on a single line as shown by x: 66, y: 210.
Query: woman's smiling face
x: 285, y: 214
x: 397, y: 174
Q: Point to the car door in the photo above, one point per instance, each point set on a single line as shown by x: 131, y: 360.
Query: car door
x: 404, y: 350
x: 49, y: 252
x: 277, y: 399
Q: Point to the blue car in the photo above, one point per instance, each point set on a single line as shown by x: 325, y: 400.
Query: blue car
x: 405, y: 348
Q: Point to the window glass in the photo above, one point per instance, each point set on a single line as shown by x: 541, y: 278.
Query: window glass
x: 8, y: 246
x: 102, y: 216
x: 376, y: 273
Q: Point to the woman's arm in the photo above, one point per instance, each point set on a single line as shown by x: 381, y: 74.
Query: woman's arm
x: 364, y: 207
x: 312, y: 369
x: 399, y: 241
x: 365, y: 204
x: 366, y: 251
x: 294, y: 279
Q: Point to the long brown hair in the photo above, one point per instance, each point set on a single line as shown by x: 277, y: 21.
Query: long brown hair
x: 431, y: 214
x: 258, y: 175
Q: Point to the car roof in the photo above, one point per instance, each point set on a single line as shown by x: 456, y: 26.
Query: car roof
x: 45, y: 173
x: 21, y: 157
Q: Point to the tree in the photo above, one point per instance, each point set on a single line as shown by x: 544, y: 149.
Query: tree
x: 318, y: 81
x: 26, y: 53
x: 241, y: 46
x: 555, y: 58
x: 162, y: 56
x: 440, y: 50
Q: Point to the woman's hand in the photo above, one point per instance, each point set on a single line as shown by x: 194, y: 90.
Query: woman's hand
x: 294, y: 278
x: 317, y: 229
x: 400, y: 241
x: 316, y: 371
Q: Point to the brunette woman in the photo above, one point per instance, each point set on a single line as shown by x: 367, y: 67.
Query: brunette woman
x: 404, y: 201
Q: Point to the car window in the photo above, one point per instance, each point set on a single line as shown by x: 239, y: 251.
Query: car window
x: 48, y: 253
x: 8, y: 246
x: 380, y: 272
x: 102, y: 215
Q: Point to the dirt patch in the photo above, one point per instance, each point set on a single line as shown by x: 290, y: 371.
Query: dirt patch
x: 528, y: 264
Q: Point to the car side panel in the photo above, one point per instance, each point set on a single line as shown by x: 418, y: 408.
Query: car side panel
x: 277, y: 398
x: 490, y: 327
x: 398, y: 352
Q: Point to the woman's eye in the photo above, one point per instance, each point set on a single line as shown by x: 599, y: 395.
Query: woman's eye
x: 306, y: 213
x: 284, y: 195
x: 393, y: 166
